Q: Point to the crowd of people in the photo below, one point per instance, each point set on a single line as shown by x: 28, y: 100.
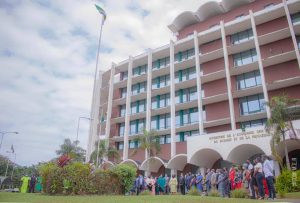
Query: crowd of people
x: 31, y: 184
x: 256, y: 177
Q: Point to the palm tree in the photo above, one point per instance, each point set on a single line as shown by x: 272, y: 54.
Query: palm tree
x: 148, y: 142
x: 71, y: 149
x: 279, y: 123
x: 104, y: 151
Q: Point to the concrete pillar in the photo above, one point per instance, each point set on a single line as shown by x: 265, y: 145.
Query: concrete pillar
x: 199, y: 85
x: 149, y: 85
x: 291, y: 27
x: 260, y: 65
x: 228, y: 77
x: 128, y: 109
x: 172, y: 100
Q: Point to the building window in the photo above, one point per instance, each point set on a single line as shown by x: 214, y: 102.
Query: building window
x: 242, y: 36
x: 140, y: 70
x: 186, y: 95
x: 239, y: 16
x: 184, y: 55
x: 122, y: 110
x: 252, y: 104
x: 247, y: 80
x: 160, y: 122
x: 133, y: 144
x: 254, y: 123
x: 138, y: 106
x: 270, y: 5
x: 160, y: 82
x: 181, y: 136
x: 187, y: 74
x: 245, y: 57
x: 298, y: 41
x: 123, y: 92
x: 124, y: 75
x: 186, y: 117
x: 137, y: 126
x: 165, y: 139
x: 121, y: 129
x: 120, y: 145
x: 160, y: 101
x: 161, y: 63
x: 295, y: 17
x: 138, y: 88
x: 203, y: 113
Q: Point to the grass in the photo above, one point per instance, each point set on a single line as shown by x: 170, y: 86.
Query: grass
x: 41, y: 198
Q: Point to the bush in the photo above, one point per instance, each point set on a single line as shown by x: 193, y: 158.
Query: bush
x: 76, y: 178
x: 194, y: 192
x: 239, y: 193
x: 214, y: 193
x: 284, y: 182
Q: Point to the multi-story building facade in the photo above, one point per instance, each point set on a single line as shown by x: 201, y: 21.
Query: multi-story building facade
x: 197, y: 92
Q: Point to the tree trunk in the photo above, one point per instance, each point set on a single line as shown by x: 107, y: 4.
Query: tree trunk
x: 286, y: 152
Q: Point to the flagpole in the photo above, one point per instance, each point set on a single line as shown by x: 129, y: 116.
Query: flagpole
x: 95, y: 77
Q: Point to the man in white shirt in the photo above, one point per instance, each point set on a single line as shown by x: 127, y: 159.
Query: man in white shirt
x: 268, y: 171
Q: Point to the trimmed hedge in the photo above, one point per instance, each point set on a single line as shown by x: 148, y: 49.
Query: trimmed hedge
x: 78, y: 178
x: 284, y: 182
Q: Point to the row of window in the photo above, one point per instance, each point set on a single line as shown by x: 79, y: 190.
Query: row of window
x: 245, y: 57
x: 186, y: 74
x: 186, y: 95
x: 140, y: 70
x: 160, y: 122
x: 160, y: 82
x: 295, y: 17
x: 184, y: 55
x: 252, y: 104
x: 182, y: 136
x: 186, y: 117
x: 247, y: 80
x: 241, y: 36
x: 160, y: 101
x: 161, y: 63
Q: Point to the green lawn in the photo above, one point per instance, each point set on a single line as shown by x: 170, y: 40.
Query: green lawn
x: 40, y: 198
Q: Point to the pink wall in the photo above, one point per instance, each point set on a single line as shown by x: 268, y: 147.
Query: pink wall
x: 215, y: 87
x: 181, y: 148
x: 275, y: 48
x: 115, y: 112
x: 213, y: 66
x: 117, y: 94
x: 271, y: 26
x: 217, y: 111
x: 211, y: 46
x: 229, y: 16
x: 282, y: 71
x: 165, y: 152
x: 219, y: 128
x: 236, y: 108
x: 292, y: 92
x: 139, y: 156
x: 233, y: 83
x: 114, y: 130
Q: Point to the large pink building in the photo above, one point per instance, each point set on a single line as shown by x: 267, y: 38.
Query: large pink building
x: 229, y: 59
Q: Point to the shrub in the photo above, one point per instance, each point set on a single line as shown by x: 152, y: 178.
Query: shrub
x: 194, y: 192
x: 52, y: 181
x: 284, y: 182
x: 214, y: 193
x: 126, y: 174
x: 239, y: 193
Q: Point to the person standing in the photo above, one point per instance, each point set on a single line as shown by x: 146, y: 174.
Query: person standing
x: 167, y: 188
x: 188, y: 181
x: 25, y: 183
x: 221, y: 183
x: 199, y: 182
x: 173, y: 184
x: 139, y: 184
x: 32, y: 184
x: 208, y: 180
x: 258, y: 173
x: 232, y: 177
x: 182, y: 184
x: 213, y: 179
x: 268, y: 172
x: 38, y: 186
x: 161, y: 184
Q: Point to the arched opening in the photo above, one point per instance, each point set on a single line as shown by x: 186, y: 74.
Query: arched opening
x: 177, y: 162
x: 293, y: 147
x: 241, y: 153
x: 152, y: 164
x: 205, y: 158
x: 130, y: 162
x: 107, y: 165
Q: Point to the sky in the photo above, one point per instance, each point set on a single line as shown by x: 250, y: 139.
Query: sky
x: 48, y: 57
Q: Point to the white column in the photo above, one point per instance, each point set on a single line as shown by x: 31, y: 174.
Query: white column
x: 128, y: 109
x: 289, y: 19
x: 199, y: 85
x: 260, y: 65
x: 149, y: 85
x: 109, y: 102
x: 172, y: 100
x: 228, y: 78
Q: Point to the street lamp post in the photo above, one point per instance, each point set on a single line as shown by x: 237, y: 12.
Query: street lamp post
x: 78, y: 123
x: 3, y: 133
x: 97, y: 159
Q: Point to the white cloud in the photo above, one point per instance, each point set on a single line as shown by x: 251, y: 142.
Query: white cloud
x: 47, y: 59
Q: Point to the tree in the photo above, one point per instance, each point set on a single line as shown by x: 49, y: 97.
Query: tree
x: 148, y: 142
x: 282, y: 115
x: 104, y: 151
x: 72, y: 149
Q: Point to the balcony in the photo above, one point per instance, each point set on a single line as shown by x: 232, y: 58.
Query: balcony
x: 139, y: 115
x: 237, y: 70
x: 162, y: 110
x: 139, y: 78
x: 249, y: 117
x: 211, y: 55
x: 186, y: 105
x: 184, y: 64
x: 162, y: 71
x: 247, y: 91
x: 240, y: 47
x: 274, y: 36
x: 160, y: 91
x: 213, y: 76
x: 139, y: 96
x: 222, y: 121
x: 188, y: 127
x: 186, y: 84
x: 119, y: 101
x: 279, y: 58
x: 215, y: 99
x: 278, y: 84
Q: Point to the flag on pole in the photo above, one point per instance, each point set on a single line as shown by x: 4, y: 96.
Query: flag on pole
x: 101, y: 11
x: 12, y: 149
